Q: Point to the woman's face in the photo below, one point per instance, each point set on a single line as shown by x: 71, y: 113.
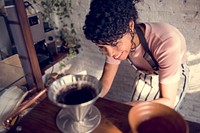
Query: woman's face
x: 121, y: 50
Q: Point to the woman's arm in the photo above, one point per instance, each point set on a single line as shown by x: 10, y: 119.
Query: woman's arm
x: 107, y: 78
x: 168, y: 94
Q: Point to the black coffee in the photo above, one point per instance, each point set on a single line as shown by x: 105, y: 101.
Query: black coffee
x: 160, y: 125
x: 73, y: 95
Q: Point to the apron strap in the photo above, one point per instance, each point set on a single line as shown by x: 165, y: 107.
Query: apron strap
x: 147, y: 55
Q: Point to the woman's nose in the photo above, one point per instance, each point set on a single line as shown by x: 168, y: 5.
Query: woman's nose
x: 111, y: 51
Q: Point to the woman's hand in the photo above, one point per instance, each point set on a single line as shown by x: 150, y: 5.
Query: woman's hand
x: 134, y: 103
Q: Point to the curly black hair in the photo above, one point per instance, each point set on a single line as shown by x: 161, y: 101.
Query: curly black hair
x: 108, y: 20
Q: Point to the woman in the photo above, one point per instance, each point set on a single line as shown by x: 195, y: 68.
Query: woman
x: 156, y: 50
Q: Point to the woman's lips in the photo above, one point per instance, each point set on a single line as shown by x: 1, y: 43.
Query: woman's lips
x: 116, y: 57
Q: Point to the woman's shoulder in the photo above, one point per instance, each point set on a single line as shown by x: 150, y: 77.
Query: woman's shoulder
x: 162, y: 31
x: 163, y: 38
x: 158, y: 24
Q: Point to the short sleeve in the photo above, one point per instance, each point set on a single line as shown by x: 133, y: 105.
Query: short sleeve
x: 170, y: 61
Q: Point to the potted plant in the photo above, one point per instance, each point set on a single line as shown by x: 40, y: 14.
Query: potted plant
x: 56, y: 13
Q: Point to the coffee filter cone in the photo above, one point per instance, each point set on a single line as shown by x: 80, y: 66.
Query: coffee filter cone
x: 77, y: 111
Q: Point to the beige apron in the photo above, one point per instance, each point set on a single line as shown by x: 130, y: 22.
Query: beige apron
x: 146, y: 86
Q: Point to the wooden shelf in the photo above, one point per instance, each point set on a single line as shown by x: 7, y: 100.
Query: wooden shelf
x: 56, y: 58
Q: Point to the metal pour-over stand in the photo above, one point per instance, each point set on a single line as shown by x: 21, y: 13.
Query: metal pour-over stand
x: 78, y: 118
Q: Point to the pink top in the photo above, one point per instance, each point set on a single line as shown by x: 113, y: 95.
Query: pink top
x: 168, y: 47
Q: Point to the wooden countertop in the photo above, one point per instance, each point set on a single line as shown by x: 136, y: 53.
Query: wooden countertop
x: 114, y: 119
x: 42, y: 118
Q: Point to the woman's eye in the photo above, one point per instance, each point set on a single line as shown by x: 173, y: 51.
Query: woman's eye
x: 102, y: 50
x: 100, y: 47
x: 115, y: 43
x: 119, y: 45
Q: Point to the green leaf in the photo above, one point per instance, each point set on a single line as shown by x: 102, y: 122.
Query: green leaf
x: 56, y: 5
x: 65, y: 25
x: 62, y: 4
x: 62, y: 64
x: 43, y: 3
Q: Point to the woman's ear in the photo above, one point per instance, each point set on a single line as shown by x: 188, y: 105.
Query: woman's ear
x: 131, y: 25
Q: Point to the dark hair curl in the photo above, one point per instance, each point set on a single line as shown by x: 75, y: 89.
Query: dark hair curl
x: 108, y: 20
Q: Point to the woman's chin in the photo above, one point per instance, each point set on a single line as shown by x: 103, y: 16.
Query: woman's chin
x: 121, y: 58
